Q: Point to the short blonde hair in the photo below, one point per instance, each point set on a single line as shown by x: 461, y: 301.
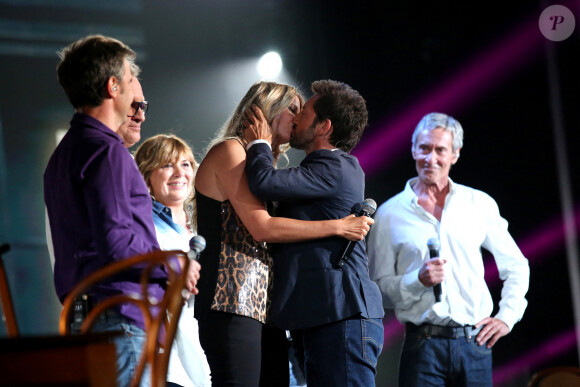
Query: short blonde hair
x: 163, y: 149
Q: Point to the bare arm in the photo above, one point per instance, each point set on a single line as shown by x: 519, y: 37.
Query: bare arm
x: 222, y: 177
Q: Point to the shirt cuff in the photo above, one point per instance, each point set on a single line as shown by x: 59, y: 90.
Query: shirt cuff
x: 508, y: 317
x: 258, y: 141
x: 411, y: 283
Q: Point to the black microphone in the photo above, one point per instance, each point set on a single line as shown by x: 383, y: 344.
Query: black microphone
x: 197, y: 245
x: 367, y: 208
x: 434, y: 245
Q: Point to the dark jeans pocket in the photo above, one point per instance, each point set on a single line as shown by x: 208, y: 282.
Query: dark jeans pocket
x: 372, y: 340
x: 480, y: 349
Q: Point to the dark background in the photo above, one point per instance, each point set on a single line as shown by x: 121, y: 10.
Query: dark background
x: 405, y: 58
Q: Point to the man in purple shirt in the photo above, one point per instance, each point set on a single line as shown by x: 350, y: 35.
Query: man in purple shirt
x: 98, y: 205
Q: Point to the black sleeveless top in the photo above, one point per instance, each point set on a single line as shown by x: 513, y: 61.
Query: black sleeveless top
x: 236, y: 274
x: 209, y: 227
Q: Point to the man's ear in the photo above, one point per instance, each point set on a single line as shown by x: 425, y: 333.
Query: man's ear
x: 413, y: 153
x: 112, y: 86
x: 455, y: 156
x: 325, y: 128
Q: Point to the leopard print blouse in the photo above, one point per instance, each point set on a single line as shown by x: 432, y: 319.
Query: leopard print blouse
x: 244, y: 278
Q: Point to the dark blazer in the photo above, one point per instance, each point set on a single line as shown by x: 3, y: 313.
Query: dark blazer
x: 309, y: 288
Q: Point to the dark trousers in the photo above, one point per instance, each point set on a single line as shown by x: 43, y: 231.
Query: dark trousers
x: 242, y: 351
x: 343, y: 353
x: 444, y: 356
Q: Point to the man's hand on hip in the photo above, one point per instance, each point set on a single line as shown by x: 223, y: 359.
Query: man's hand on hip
x: 493, y: 329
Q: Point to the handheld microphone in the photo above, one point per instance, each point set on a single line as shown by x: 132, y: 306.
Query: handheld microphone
x: 367, y: 208
x: 197, y: 245
x: 434, y: 245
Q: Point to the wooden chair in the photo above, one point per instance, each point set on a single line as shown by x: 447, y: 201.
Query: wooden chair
x: 8, y: 314
x: 556, y: 377
x: 170, y: 305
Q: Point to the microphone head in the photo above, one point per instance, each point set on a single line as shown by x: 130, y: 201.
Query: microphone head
x: 197, y: 244
x: 433, y: 244
x: 369, y: 206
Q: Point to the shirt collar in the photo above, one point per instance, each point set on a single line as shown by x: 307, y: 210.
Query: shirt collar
x: 84, y: 120
x: 411, y: 194
x: 159, y: 208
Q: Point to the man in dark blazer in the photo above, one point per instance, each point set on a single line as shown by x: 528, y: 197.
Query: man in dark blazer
x: 336, y: 309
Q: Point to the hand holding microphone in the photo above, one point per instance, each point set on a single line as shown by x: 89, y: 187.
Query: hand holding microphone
x: 367, y: 208
x: 431, y: 273
x: 197, y: 245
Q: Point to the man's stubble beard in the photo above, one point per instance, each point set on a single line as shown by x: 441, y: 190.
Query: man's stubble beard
x: 302, y: 144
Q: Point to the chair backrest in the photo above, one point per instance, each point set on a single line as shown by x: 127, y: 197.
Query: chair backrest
x: 170, y: 305
x: 8, y: 314
x: 556, y: 377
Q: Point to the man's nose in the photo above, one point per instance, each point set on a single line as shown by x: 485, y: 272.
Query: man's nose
x: 139, y: 117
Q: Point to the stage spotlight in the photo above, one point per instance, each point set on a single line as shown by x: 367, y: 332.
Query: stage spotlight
x: 270, y: 65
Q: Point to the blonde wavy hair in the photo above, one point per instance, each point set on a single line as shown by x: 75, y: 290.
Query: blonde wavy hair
x: 163, y: 149
x: 272, y: 98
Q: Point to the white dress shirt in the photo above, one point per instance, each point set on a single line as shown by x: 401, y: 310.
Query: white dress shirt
x: 470, y: 220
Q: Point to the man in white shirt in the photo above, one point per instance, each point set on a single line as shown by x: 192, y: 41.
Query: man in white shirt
x: 447, y: 342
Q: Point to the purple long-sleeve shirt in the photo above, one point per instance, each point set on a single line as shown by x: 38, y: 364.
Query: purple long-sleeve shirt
x: 99, y: 210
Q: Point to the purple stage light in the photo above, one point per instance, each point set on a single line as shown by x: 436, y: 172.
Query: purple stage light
x: 536, y: 246
x: 485, y: 72
x: 525, y: 362
x: 393, y: 328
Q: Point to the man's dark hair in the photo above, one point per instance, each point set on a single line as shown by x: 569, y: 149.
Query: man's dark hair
x: 346, y: 110
x: 87, y: 65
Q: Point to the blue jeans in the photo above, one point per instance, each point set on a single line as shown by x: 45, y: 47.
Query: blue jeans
x: 343, y: 353
x: 129, y: 346
x: 437, y: 361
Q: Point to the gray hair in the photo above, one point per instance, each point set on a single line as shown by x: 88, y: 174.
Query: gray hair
x: 449, y: 124
x: 135, y: 69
